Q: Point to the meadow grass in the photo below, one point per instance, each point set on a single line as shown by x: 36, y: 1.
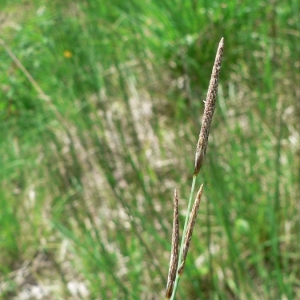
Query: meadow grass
x: 90, y: 158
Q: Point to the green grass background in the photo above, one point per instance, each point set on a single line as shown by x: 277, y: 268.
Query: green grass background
x: 95, y: 141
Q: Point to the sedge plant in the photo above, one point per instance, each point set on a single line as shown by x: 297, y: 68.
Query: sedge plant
x: 178, y: 258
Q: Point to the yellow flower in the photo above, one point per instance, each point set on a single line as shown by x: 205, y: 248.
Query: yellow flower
x: 68, y: 54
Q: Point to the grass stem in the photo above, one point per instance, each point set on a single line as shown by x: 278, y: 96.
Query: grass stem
x: 183, y: 236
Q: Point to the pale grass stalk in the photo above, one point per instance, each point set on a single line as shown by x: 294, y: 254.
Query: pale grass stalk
x: 33, y: 82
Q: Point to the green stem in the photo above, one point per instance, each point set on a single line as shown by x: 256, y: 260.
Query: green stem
x: 183, y: 237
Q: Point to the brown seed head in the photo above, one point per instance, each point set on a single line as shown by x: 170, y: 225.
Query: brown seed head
x: 190, y: 228
x: 210, y: 104
x: 174, y: 250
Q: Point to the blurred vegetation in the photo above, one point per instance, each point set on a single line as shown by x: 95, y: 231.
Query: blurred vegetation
x: 100, y: 107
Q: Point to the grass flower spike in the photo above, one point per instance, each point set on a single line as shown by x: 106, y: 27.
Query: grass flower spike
x: 190, y: 218
x: 210, y: 104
